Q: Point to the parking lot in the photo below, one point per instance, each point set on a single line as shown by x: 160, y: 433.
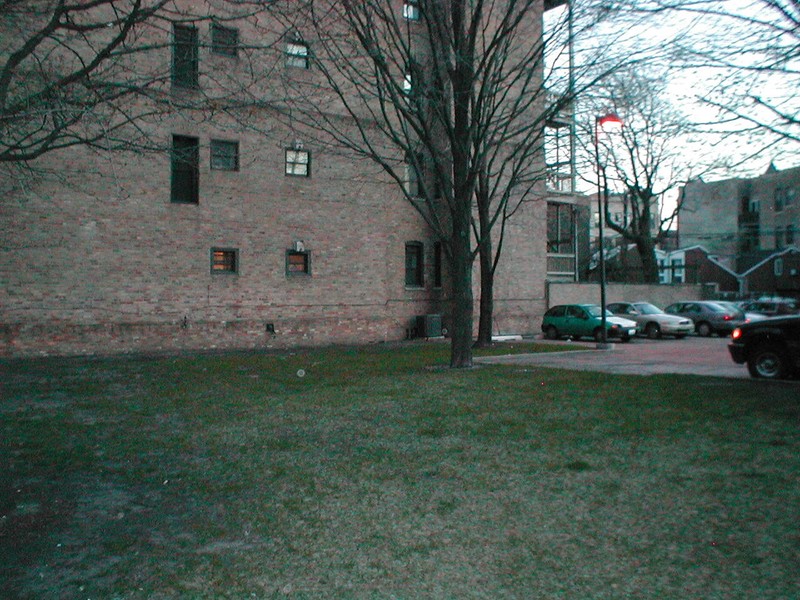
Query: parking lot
x: 689, y: 356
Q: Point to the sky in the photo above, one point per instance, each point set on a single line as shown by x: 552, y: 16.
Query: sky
x: 749, y: 42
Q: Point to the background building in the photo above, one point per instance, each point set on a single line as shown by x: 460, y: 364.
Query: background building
x: 741, y: 221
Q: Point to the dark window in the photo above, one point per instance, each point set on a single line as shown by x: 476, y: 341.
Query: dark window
x: 414, y: 264
x: 185, y: 169
x: 185, y: 64
x: 437, y: 264
x: 560, y: 228
x: 298, y: 163
x: 224, y: 260
x: 411, y: 10
x: 297, y: 55
x: 298, y: 262
x: 224, y: 40
x: 224, y: 155
x: 412, y: 180
x: 780, y: 199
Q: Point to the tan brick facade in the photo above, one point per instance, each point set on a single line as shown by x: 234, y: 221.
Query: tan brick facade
x: 97, y: 259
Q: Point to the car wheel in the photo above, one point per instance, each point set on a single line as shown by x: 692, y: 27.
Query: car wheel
x: 625, y: 338
x: 767, y: 362
x: 653, y: 331
x: 551, y: 333
x: 598, y: 335
x: 704, y: 329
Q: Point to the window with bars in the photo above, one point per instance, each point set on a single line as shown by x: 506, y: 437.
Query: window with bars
x: 298, y: 262
x: 224, y: 260
x: 185, y: 53
x: 297, y: 55
x: 224, y: 40
x: 414, y: 264
x: 224, y: 155
x: 560, y: 228
x: 185, y: 169
x: 298, y: 162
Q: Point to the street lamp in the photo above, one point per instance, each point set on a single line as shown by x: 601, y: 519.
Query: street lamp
x: 607, y: 122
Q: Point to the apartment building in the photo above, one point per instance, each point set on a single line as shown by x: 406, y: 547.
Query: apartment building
x: 742, y: 220
x: 231, y: 230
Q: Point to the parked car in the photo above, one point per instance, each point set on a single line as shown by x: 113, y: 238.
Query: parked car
x: 585, y: 320
x: 708, y: 317
x: 773, y: 307
x: 749, y: 317
x: 653, y: 321
x: 771, y: 348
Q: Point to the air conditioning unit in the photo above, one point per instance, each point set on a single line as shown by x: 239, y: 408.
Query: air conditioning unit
x: 429, y: 326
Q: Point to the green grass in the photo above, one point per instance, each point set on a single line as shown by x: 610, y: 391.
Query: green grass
x: 375, y: 473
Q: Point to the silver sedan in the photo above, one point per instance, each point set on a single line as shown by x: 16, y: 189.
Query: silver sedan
x: 653, y: 321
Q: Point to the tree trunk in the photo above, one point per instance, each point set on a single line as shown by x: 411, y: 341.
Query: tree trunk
x: 646, y: 247
x: 487, y: 286
x: 486, y: 304
x: 462, y: 319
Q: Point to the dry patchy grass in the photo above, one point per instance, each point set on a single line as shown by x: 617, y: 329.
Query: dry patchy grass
x: 376, y: 476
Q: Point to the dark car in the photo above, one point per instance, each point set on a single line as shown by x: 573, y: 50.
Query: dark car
x: 771, y: 348
x: 772, y: 308
x: 708, y: 317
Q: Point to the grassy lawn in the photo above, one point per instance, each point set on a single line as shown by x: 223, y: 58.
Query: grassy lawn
x: 373, y: 473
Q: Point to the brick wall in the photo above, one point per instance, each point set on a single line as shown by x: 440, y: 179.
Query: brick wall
x: 95, y: 257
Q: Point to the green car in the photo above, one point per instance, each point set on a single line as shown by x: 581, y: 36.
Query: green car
x: 584, y: 320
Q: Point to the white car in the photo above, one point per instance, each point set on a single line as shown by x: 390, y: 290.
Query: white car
x: 653, y: 321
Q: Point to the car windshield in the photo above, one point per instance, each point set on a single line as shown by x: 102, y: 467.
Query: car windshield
x: 648, y: 309
x: 594, y: 311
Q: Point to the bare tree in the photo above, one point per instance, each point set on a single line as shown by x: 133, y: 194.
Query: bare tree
x: 436, y: 94
x: 646, y: 160
x: 95, y: 73
x: 67, y: 78
x: 741, y: 61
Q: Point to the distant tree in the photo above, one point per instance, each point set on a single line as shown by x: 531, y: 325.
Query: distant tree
x: 743, y: 60
x: 644, y: 160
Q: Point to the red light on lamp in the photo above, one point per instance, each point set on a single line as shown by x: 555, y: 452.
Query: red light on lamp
x: 610, y: 121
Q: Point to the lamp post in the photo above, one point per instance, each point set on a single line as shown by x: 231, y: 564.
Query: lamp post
x: 607, y: 121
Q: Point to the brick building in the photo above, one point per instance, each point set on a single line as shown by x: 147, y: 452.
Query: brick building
x: 228, y: 235
x: 742, y: 220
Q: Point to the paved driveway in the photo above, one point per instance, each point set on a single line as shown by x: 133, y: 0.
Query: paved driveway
x: 692, y: 356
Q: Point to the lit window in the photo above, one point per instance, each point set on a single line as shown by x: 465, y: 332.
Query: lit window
x: 298, y: 262
x: 298, y: 163
x: 411, y: 10
x: 407, y: 84
x: 224, y: 260
x: 224, y: 40
x: 224, y: 155
x: 185, y: 169
x: 414, y: 265
x: 297, y: 55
